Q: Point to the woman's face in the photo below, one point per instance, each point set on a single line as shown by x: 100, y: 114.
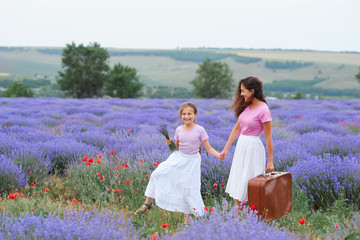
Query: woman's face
x: 188, y: 115
x: 247, y: 94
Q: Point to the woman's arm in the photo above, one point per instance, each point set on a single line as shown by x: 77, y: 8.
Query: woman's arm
x: 269, y: 145
x: 233, y: 135
x: 210, y: 150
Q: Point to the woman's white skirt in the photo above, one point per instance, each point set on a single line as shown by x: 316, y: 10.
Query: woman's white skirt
x: 175, y: 184
x: 248, y: 162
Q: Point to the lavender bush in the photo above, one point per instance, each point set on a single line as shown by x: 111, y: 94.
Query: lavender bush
x: 317, y: 141
x: 70, y: 224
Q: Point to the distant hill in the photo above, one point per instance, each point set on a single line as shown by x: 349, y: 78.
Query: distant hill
x: 176, y: 68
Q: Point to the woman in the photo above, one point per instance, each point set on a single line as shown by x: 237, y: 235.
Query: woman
x: 249, y: 157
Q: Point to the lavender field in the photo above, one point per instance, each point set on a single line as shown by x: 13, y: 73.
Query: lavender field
x: 78, y: 168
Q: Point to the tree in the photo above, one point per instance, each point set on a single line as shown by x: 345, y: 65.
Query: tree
x: 123, y: 82
x: 298, y: 95
x: 358, y: 75
x: 85, y: 70
x: 213, y: 80
x: 17, y: 90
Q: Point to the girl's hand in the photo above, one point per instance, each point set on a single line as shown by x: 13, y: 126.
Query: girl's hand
x: 223, y: 155
x: 168, y: 142
x: 269, y: 167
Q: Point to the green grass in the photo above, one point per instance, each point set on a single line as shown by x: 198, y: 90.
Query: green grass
x: 338, y: 69
x: 83, y: 183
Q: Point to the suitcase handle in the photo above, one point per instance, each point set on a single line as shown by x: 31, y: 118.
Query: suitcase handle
x: 272, y: 173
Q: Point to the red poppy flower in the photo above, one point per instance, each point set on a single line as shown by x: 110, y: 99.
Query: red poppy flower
x: 16, y: 194
x: 154, y: 236
x: 99, y: 156
x: 75, y: 201
x: 118, y: 190
x: 215, y: 185
x: 85, y: 158
x: 147, y: 175
x: 157, y: 162
x: 112, y: 152
x: 46, y: 189
x: 141, y: 160
x: 33, y: 209
x: 11, y: 196
x: 29, y: 172
x: 111, y: 190
x: 297, y: 118
x: 253, y: 207
x: 355, y: 117
x: 32, y: 184
x: 302, y: 221
x: 98, y: 161
x: 165, y: 225
x: 336, y: 225
x: 125, y: 165
x: 117, y: 168
x: 127, y: 182
x: 206, y: 208
x: 129, y: 130
x: 344, y: 122
x: 243, y: 202
x: 88, y: 163
x: 90, y: 160
x: 222, y: 184
x: 102, y: 177
x: 211, y: 210
x: 120, y: 166
x: 141, y: 164
x: 194, y: 209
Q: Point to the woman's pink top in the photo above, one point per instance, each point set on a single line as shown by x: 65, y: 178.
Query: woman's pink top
x: 189, y: 141
x: 251, y: 120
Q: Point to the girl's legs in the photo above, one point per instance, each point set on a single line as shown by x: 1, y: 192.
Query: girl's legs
x: 148, y: 201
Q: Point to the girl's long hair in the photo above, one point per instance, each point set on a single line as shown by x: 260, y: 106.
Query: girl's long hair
x: 249, y: 83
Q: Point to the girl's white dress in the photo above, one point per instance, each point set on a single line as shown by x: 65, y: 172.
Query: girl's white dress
x: 175, y: 184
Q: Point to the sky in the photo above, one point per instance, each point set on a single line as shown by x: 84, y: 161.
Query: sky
x: 324, y: 25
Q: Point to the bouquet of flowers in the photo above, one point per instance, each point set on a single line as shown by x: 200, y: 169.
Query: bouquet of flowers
x: 163, y: 130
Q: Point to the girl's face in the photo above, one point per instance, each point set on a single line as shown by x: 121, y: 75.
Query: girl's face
x: 188, y: 115
x: 246, y: 94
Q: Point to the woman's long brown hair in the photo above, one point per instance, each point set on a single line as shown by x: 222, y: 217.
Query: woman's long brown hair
x: 249, y: 83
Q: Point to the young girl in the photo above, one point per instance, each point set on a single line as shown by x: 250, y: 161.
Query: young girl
x: 249, y: 157
x: 176, y: 182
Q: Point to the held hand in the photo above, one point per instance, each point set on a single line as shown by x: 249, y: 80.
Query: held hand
x: 223, y: 155
x: 269, y: 167
x: 168, y: 142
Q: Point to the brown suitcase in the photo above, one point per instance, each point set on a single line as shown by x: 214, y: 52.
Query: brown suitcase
x: 271, y: 194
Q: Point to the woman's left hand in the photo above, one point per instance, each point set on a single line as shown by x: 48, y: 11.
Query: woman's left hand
x: 270, y: 167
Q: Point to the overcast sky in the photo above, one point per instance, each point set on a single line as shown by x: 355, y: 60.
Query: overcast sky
x: 166, y: 24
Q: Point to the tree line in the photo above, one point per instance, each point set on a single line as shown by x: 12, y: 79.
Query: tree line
x: 86, y: 73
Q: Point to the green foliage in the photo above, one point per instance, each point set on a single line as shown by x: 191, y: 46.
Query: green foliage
x: 168, y: 92
x: 188, y: 55
x: 123, y: 82
x: 358, y: 75
x: 85, y: 70
x: 306, y: 87
x: 298, y: 95
x: 50, y: 91
x: 17, y: 90
x: 213, y: 80
x: 286, y: 65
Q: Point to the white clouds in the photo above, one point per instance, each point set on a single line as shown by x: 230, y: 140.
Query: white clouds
x: 316, y: 24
